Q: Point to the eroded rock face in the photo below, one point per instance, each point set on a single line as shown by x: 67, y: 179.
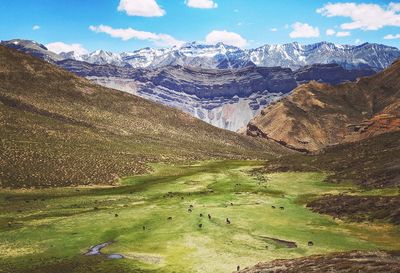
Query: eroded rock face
x: 315, y: 115
x: 225, y: 98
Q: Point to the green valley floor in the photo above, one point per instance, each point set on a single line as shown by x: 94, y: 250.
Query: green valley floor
x: 205, y: 217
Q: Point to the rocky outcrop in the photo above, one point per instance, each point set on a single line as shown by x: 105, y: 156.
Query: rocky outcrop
x: 316, y: 115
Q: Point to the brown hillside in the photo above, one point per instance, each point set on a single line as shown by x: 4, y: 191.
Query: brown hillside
x: 59, y: 129
x: 316, y: 115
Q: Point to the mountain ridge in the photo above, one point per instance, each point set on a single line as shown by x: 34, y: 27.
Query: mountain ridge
x: 291, y: 55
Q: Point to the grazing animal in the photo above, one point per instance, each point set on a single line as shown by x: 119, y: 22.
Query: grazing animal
x: 281, y: 207
x: 201, y: 214
x: 191, y: 206
x: 238, y: 268
x: 228, y: 221
x: 310, y: 243
x: 266, y: 247
x: 209, y: 216
x: 144, y: 228
x: 116, y: 215
x: 231, y: 204
x: 273, y: 207
x: 170, y: 218
x: 189, y: 210
x: 200, y: 225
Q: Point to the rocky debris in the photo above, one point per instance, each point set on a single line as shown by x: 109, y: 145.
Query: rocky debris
x: 346, y: 262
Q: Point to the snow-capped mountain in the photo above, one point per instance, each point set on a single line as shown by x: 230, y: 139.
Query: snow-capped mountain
x: 221, y: 56
x: 295, y: 55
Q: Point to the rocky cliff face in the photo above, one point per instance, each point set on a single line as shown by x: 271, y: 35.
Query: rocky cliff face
x: 223, y: 97
x: 315, y: 115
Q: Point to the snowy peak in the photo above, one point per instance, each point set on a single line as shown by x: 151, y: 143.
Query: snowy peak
x: 222, y: 56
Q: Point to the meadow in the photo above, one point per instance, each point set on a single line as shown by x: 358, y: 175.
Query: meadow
x: 206, y: 217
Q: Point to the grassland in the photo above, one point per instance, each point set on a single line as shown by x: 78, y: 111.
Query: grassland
x: 48, y: 230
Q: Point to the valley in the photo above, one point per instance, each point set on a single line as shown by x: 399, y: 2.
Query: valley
x: 148, y: 220
x: 212, y: 136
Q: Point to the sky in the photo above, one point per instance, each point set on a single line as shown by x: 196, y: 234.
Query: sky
x: 127, y: 25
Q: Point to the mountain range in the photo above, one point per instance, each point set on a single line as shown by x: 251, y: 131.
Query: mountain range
x: 227, y: 98
x: 221, y: 56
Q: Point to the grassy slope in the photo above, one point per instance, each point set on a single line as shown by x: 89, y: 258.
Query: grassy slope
x: 47, y: 230
x: 58, y: 129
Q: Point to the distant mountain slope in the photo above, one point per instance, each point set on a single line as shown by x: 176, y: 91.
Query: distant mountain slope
x: 59, y: 129
x: 221, y: 56
x: 295, y: 55
x: 226, y: 98
x: 315, y: 115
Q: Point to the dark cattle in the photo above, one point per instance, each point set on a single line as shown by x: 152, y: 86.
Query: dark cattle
x: 273, y: 207
x: 231, y: 204
x: 282, y: 208
x: 116, y: 215
x: 189, y: 210
x: 201, y: 214
x: 238, y: 268
x: 228, y: 221
x: 169, y: 218
x: 191, y: 206
x: 200, y: 225
x: 144, y: 228
x: 209, y: 216
x: 310, y: 243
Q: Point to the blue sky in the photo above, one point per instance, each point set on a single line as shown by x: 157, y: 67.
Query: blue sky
x: 126, y: 25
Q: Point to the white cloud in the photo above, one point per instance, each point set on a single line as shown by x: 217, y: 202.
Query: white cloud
x: 392, y: 37
x: 364, y: 16
x: 126, y: 34
x: 303, y: 30
x: 201, y: 4
x: 59, y: 47
x: 343, y: 34
x: 330, y: 32
x: 358, y: 41
x: 145, y: 8
x: 226, y: 37
x: 274, y: 29
x: 36, y: 27
x: 394, y: 6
